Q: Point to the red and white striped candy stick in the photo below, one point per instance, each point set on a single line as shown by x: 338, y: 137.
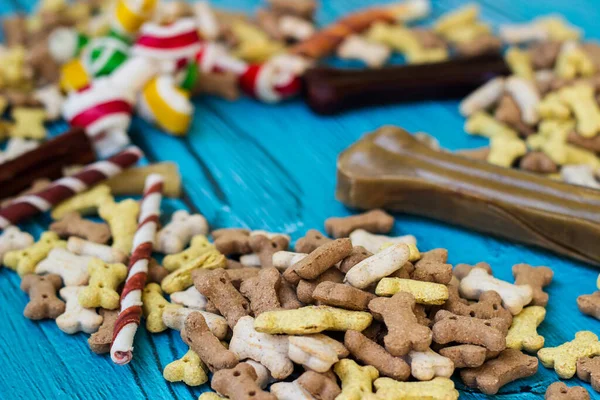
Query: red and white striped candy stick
x: 121, y: 350
x: 26, y: 206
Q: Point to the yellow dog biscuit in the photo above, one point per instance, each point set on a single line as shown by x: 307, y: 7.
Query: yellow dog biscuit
x: 424, y: 292
x: 564, y: 357
x: 101, y: 290
x: 357, y: 381
x: 457, y: 18
x: 188, y: 369
x: 553, y: 107
x: 505, y: 150
x: 573, y: 61
x: 84, y: 203
x: 311, y: 319
x: 199, y: 246
x: 181, y: 278
x: 483, y: 124
x: 29, y: 123
x: 154, y: 305
x: 24, y: 261
x: 558, y: 29
x: 122, y: 219
x: 522, y: 334
x: 436, y: 389
x: 519, y: 62
x: 580, y: 98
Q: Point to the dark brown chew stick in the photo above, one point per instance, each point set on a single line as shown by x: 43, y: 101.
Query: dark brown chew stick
x: 329, y: 90
x: 510, y: 365
x: 46, y: 161
x: 370, y: 353
x: 519, y: 206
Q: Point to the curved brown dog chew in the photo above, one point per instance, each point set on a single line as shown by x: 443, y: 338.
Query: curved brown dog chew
x: 391, y: 169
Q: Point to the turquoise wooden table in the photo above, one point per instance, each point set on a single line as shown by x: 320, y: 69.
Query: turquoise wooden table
x: 273, y: 167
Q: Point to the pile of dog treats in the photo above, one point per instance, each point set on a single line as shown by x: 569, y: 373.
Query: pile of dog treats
x: 95, y: 63
x: 358, y: 315
x: 545, y: 117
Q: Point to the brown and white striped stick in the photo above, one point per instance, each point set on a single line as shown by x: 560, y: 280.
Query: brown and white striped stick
x: 121, y: 350
x: 27, y: 206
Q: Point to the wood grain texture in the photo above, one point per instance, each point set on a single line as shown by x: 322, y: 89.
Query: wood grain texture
x: 273, y: 167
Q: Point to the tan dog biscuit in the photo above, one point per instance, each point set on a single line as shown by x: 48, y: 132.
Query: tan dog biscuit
x: 358, y: 254
x: 381, y: 264
x: 201, y: 340
x: 370, y: 353
x: 43, y: 302
x: 374, y: 221
x: 73, y: 225
x: 537, y: 161
x: 239, y: 383
x: 311, y: 241
x: 510, y: 365
x: 262, y: 290
x: 404, y: 331
x: 588, y: 370
x: 101, y: 340
x: 305, y: 289
x: 217, y: 287
x: 319, y: 261
x: 86, y: 248
x: 343, y: 296
x: 589, y: 304
x: 508, y: 111
x: 265, y: 247
x: 537, y: 278
x: 489, y: 306
x: 560, y: 391
x: 232, y: 241
x: 432, y: 267
x: 319, y: 386
x: 465, y: 355
x: 450, y: 328
x: 543, y: 54
x: 156, y: 272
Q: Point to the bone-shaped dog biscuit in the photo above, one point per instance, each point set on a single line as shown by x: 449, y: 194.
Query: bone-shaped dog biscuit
x: 269, y: 350
x: 377, y: 266
x: 25, y: 260
x: 122, y: 219
x: 73, y: 225
x: 424, y: 292
x: 104, y: 280
x: 523, y: 335
x: 190, y: 297
x: 174, y: 318
x: 73, y: 269
x: 188, y: 369
x: 177, y: 234
x: 564, y: 358
x: 84, y: 203
x: 198, y: 246
x: 12, y: 238
x: 373, y: 242
x: 86, y: 248
x: 483, y: 124
x: 436, y: 389
x: 76, y: 318
x: 478, y: 281
x: 317, y: 352
x: 426, y: 365
x: 357, y: 381
x: 181, y: 278
x: 154, y: 306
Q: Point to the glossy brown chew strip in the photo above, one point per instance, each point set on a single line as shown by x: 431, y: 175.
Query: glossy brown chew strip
x: 392, y: 170
x: 46, y: 161
x: 330, y: 90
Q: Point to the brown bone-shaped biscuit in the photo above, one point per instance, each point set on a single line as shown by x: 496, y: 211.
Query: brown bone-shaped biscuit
x: 239, y: 383
x: 236, y: 276
x: 73, y: 225
x: 217, y: 287
x: 265, y: 247
x: 232, y: 241
x: 508, y: 111
x: 101, y: 340
x: 319, y: 261
x: 462, y: 270
x: 432, y: 267
x: 537, y: 161
x: 262, y: 290
x: 371, y: 353
x: 510, y: 365
x: 537, y: 278
x: 156, y: 272
x: 560, y: 391
x: 589, y: 304
x: 588, y: 370
x: 465, y: 355
x: 374, y: 221
x: 543, y: 54
x: 43, y: 302
x: 311, y: 241
x: 319, y: 386
x: 203, y: 342
x: 343, y: 296
x: 305, y: 288
x: 358, y: 254
x: 287, y: 296
x: 488, y: 306
x: 404, y: 331
x: 450, y: 328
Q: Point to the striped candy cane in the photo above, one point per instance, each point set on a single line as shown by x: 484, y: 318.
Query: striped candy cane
x: 121, y: 351
x: 26, y: 206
